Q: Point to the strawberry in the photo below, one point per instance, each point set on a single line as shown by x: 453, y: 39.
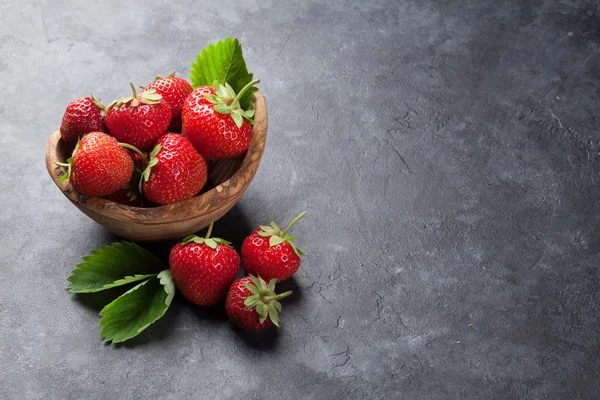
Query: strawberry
x: 82, y: 116
x: 138, y: 120
x: 252, y: 305
x: 99, y: 166
x: 130, y: 194
x: 204, y: 268
x: 214, y: 122
x: 174, y: 91
x: 175, y: 171
x: 270, y: 253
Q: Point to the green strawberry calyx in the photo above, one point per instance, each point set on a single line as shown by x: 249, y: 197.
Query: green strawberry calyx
x: 207, y: 240
x: 69, y: 164
x: 98, y: 103
x: 171, y: 75
x: 150, y: 162
x: 146, y: 97
x: 227, y: 102
x: 276, y: 236
x: 264, y: 299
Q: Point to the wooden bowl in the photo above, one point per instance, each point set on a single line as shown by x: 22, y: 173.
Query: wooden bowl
x: 227, y: 182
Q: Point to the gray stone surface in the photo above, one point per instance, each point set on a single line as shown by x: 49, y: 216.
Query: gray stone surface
x: 447, y: 153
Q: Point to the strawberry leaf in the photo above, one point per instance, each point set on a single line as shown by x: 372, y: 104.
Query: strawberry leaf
x: 275, y: 240
x: 224, y: 62
x: 111, y: 266
x: 135, y: 310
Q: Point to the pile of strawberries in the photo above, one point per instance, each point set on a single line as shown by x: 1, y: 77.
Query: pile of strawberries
x: 152, y: 148
x: 204, y: 270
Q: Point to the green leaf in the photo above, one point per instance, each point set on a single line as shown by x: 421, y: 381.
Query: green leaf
x: 210, y: 243
x: 273, y: 315
x: 211, y: 97
x: 261, y: 309
x: 166, y: 280
x: 251, y: 301
x: 275, y: 240
x: 252, y: 288
x: 123, y: 281
x: 237, y: 118
x: 222, y: 109
x: 136, y: 309
x: 63, y: 177
x: 272, y: 284
x: 297, y: 250
x: 224, y: 62
x: 275, y: 226
x: 155, y: 150
x: 110, y: 266
x: 254, y: 280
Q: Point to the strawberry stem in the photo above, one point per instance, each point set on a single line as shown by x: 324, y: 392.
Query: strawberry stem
x: 134, y: 149
x: 287, y: 230
x: 133, y: 89
x: 237, y: 98
x: 277, y: 297
x: 62, y: 164
x: 209, y: 231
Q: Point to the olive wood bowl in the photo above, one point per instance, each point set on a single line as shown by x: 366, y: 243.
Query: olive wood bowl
x: 227, y: 182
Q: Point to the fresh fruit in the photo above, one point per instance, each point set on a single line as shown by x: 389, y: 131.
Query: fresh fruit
x: 175, y: 171
x: 215, y: 123
x: 270, y: 253
x: 252, y: 304
x: 140, y: 119
x: 82, y: 116
x: 204, y: 268
x: 174, y: 90
x: 99, y: 166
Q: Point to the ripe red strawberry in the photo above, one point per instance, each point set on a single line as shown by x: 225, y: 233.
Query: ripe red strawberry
x: 82, y: 116
x: 204, y: 268
x: 174, y: 91
x: 99, y: 166
x: 214, y: 122
x: 270, y: 253
x: 175, y: 171
x: 252, y: 305
x: 139, y: 120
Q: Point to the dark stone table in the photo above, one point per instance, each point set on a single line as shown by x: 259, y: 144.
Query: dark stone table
x: 447, y: 153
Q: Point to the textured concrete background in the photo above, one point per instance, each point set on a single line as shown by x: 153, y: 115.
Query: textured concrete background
x: 447, y: 153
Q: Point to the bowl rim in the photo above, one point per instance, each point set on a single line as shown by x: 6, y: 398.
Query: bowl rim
x: 204, y: 204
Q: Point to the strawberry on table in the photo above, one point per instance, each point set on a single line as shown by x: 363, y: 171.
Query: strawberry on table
x: 270, y: 253
x: 175, y: 171
x: 204, y: 268
x: 99, y: 166
x: 252, y: 304
x: 215, y: 123
x: 174, y: 90
x: 140, y: 119
x: 82, y: 116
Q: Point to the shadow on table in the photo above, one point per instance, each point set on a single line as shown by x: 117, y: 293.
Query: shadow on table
x: 263, y: 340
